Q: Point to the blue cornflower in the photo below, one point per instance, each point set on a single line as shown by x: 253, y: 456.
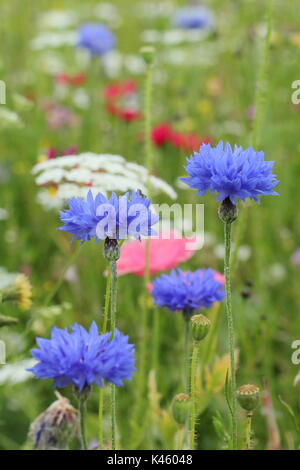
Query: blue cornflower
x: 82, y: 357
x: 96, y: 37
x: 197, y: 17
x: 115, y: 218
x: 187, y: 291
x: 232, y: 173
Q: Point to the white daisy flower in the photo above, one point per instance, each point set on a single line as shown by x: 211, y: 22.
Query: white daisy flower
x: 73, y: 175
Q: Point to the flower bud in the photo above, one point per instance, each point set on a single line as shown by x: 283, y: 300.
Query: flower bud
x: 181, y: 407
x: 200, y: 326
x: 228, y: 211
x: 148, y: 52
x: 56, y: 426
x: 111, y: 249
x: 248, y: 396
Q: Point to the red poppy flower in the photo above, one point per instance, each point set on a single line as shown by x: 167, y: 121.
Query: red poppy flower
x: 65, y: 79
x: 121, y: 100
x: 187, y: 142
x: 161, y: 134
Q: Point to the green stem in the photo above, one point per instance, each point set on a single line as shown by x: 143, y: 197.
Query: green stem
x: 193, y: 395
x: 186, y: 352
x: 113, y: 415
x: 104, y: 329
x: 147, y: 125
x: 249, y: 430
x: 100, y: 418
x: 238, y: 235
x: 82, y: 412
x: 106, y: 305
x: 113, y: 296
x: 155, y: 341
x: 180, y: 438
x: 230, y: 323
x: 113, y: 309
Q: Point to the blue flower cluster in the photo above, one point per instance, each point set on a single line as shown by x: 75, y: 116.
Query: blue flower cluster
x: 96, y: 38
x: 115, y: 218
x: 82, y: 357
x: 197, y: 17
x: 232, y: 173
x: 187, y: 291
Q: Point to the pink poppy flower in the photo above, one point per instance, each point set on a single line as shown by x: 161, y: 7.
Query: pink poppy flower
x: 165, y: 254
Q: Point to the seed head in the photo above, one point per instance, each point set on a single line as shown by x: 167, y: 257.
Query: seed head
x: 248, y: 396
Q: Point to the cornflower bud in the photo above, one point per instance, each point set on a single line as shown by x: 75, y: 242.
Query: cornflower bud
x: 228, y: 211
x: 148, y: 52
x: 111, y: 249
x: 181, y: 407
x: 200, y: 327
x: 56, y: 426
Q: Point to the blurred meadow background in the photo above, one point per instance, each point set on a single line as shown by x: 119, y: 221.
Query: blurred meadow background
x: 58, y: 100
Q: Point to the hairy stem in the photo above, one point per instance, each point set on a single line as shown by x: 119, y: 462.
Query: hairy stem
x: 113, y: 309
x: 230, y: 324
x: 106, y: 305
x: 186, y: 353
x: 193, y: 395
x: 180, y: 435
x: 155, y: 341
x: 113, y: 415
x: 82, y: 413
x: 104, y: 329
x: 113, y: 297
x: 147, y: 125
x: 249, y: 430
